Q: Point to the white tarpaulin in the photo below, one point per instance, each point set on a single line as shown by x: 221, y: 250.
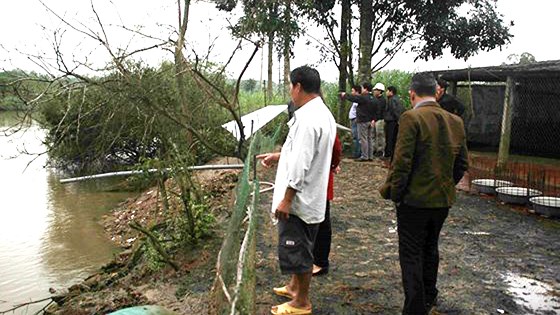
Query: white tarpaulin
x: 254, y: 121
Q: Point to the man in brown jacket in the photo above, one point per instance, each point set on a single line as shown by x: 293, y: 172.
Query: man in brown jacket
x: 429, y: 160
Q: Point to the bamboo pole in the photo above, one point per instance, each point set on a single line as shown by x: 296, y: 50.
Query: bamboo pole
x: 505, y: 136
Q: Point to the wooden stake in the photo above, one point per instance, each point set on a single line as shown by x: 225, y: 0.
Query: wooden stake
x: 505, y: 136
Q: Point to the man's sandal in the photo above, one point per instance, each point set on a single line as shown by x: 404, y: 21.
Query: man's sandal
x: 286, y: 308
x: 282, y: 291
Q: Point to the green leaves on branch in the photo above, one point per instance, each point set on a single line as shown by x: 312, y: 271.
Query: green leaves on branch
x: 113, y: 121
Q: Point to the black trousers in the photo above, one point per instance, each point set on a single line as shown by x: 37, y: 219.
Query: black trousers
x: 322, y: 247
x: 391, y: 130
x: 418, y: 230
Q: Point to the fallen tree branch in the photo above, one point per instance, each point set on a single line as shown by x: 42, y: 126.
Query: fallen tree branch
x: 25, y: 304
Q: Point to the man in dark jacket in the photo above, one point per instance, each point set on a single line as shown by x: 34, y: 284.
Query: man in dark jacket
x: 366, y: 112
x: 430, y: 159
x: 392, y: 114
x: 448, y: 102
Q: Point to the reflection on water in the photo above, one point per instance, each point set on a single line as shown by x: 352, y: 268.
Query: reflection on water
x: 50, y: 234
x: 533, y: 294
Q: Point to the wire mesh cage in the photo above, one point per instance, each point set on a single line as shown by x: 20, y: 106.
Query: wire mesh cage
x: 513, y: 110
x: 519, y: 182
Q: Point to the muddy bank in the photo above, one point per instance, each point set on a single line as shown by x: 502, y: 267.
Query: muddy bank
x: 131, y: 280
x: 493, y: 258
x: 484, y: 247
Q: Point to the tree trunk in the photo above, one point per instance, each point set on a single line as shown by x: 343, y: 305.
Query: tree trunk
x: 350, y: 54
x: 287, y: 55
x: 269, y: 78
x: 180, y: 65
x: 344, y: 52
x: 366, y: 45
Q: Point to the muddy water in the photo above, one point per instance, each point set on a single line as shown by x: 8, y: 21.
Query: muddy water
x: 50, y: 234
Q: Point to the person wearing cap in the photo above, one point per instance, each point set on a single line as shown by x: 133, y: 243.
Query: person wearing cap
x: 379, y: 145
x: 448, y: 102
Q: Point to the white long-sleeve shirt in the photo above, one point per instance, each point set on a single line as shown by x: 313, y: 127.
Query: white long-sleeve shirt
x: 305, y: 161
x: 352, y: 112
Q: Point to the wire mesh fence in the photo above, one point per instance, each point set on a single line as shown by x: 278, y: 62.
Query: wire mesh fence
x: 518, y: 182
x: 531, y: 175
x: 535, y: 123
x: 535, y: 126
x: 235, y: 282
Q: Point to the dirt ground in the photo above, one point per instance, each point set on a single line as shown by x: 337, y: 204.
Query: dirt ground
x: 485, y: 248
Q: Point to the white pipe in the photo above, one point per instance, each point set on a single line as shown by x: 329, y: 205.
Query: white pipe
x: 341, y: 127
x: 152, y: 170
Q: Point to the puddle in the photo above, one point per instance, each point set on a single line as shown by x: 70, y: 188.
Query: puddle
x: 531, y: 293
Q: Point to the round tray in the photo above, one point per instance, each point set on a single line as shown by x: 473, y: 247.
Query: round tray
x: 548, y: 206
x: 488, y: 186
x: 518, y: 195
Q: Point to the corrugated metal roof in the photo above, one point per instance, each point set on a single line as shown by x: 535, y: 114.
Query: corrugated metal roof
x: 540, y: 69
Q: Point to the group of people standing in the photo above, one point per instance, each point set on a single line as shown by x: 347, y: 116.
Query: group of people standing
x: 428, y: 160
x: 374, y: 120
x: 374, y: 117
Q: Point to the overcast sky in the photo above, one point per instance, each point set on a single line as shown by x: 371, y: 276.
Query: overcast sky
x: 27, y: 28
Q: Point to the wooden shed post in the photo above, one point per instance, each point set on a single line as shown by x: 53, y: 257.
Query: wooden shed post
x: 505, y: 136
x: 453, y: 87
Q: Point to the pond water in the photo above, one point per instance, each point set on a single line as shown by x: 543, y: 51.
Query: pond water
x: 50, y: 234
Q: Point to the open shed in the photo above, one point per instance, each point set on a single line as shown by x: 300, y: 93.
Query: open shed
x: 513, y: 107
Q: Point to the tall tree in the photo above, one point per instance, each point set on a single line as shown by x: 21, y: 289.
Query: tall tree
x: 180, y: 62
x: 333, y: 47
x: 345, y: 52
x: 522, y: 59
x: 287, y: 41
x: 273, y: 22
x: 272, y: 18
x: 366, y: 40
x: 430, y: 27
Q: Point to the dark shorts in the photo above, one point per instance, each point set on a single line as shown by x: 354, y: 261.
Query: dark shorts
x: 295, y: 245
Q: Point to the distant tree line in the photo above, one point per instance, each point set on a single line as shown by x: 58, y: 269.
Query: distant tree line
x: 361, y: 37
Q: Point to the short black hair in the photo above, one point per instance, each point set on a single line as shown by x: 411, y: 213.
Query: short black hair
x: 392, y: 89
x: 424, y: 84
x: 367, y: 86
x: 442, y: 83
x: 308, y: 77
x: 357, y: 88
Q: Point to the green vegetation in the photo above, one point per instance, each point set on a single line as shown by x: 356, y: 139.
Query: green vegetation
x: 113, y: 122
x: 397, y: 78
x: 18, y: 88
x: 237, y: 258
x: 251, y: 100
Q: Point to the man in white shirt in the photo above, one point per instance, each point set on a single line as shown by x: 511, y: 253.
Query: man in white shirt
x: 356, y: 150
x: 300, y: 192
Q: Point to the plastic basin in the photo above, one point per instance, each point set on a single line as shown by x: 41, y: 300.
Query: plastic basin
x: 517, y: 195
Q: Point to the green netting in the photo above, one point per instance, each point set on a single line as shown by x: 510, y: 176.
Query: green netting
x: 240, y: 296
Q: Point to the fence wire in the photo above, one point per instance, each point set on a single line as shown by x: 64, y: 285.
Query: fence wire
x: 533, y: 167
x: 234, y: 286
